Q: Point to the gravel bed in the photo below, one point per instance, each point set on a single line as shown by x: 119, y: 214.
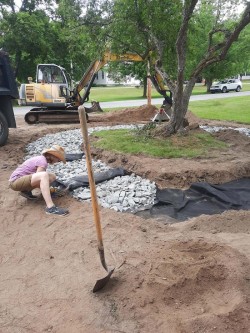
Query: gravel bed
x: 129, y: 193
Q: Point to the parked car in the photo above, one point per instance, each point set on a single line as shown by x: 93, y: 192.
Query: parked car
x: 226, y: 85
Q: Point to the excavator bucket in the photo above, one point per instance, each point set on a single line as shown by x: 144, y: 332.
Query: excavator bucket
x: 94, y: 108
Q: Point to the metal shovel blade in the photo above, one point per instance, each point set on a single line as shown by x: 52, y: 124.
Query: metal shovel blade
x: 102, y: 282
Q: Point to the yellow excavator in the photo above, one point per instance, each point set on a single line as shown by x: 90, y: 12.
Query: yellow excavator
x: 55, y: 99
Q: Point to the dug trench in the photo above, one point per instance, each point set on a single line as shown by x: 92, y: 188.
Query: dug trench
x: 192, y: 276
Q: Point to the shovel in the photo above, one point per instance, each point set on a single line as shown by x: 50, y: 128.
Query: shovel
x: 83, y: 122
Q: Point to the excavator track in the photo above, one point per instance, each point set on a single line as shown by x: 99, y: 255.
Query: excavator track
x: 35, y: 116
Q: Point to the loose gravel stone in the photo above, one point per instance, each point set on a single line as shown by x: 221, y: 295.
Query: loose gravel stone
x: 212, y: 129
x: 123, y: 193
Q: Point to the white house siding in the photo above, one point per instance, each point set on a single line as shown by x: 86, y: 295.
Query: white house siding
x: 243, y: 76
x: 103, y: 79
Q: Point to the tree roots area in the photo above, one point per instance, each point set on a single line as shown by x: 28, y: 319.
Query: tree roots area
x: 190, y: 276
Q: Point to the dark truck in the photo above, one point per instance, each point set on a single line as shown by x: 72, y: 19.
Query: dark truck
x: 8, y: 92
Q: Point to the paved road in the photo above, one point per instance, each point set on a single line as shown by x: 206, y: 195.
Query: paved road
x: 21, y: 110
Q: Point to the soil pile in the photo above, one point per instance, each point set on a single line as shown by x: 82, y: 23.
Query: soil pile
x: 141, y: 114
x: 235, y: 139
x: 128, y: 115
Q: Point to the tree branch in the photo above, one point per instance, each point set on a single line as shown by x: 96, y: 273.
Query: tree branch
x: 213, y: 55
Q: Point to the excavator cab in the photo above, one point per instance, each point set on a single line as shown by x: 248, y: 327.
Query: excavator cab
x: 55, y: 75
x: 51, y: 89
x: 49, y: 73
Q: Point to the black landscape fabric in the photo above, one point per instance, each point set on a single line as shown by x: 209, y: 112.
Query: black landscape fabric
x: 83, y: 180
x: 73, y: 157
x: 202, y: 198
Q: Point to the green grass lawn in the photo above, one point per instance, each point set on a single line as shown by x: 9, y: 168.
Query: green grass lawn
x: 230, y: 109
x: 110, y: 94
x: 134, y: 142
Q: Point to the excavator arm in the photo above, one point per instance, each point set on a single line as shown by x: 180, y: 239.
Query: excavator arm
x: 89, y: 76
x: 160, y: 88
x: 87, y: 81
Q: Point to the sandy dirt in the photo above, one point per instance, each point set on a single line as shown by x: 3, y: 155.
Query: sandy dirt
x: 188, y: 277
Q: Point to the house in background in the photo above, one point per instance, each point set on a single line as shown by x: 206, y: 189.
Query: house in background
x: 245, y: 76
x: 102, y: 79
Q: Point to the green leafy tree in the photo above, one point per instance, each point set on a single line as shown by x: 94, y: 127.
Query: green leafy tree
x: 122, y: 29
x: 235, y: 58
x: 72, y: 42
x: 44, y: 32
x: 182, y: 42
x: 24, y: 32
x: 24, y: 40
x: 223, y: 33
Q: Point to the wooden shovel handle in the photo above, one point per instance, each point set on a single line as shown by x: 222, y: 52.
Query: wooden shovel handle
x: 84, y: 129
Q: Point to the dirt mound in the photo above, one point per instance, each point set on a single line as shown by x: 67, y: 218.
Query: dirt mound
x: 183, y: 281
x: 128, y: 115
x: 192, y: 118
x: 225, y: 222
x: 234, y: 138
x: 144, y: 113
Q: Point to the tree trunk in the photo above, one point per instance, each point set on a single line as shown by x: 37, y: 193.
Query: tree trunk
x: 179, y: 108
x: 176, y: 122
x: 208, y: 84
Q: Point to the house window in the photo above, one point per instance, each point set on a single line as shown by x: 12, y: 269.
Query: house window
x: 103, y: 76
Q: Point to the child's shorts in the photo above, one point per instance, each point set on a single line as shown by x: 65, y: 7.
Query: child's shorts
x: 22, y: 184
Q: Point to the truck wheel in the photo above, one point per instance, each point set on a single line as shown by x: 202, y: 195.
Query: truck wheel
x: 224, y: 89
x: 4, y: 129
x: 238, y: 89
